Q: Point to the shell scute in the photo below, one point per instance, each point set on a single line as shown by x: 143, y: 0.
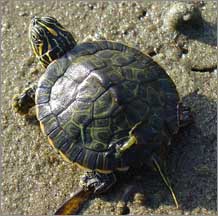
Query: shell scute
x: 104, y: 106
x: 43, y: 95
x: 123, y: 60
x: 42, y: 111
x: 90, y: 89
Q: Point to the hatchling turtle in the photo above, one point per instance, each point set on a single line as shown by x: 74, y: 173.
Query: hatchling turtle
x: 103, y: 105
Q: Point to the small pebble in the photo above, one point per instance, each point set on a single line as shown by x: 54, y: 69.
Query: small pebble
x: 139, y: 199
x: 23, y: 14
x: 122, y: 208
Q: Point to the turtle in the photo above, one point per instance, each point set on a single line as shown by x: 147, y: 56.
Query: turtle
x: 103, y: 105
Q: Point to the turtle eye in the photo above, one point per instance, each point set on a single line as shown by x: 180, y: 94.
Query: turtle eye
x: 34, y: 38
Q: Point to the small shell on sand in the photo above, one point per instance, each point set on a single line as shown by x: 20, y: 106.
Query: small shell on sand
x: 180, y: 13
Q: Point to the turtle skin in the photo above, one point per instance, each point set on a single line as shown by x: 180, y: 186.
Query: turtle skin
x: 92, y: 100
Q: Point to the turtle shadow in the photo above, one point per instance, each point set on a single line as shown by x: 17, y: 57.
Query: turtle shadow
x: 191, y: 166
x: 192, y: 157
x: 202, y: 31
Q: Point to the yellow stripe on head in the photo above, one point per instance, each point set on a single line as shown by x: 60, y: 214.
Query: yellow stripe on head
x: 49, y: 57
x: 34, y: 49
x: 40, y: 49
x: 52, y: 31
x: 49, y: 40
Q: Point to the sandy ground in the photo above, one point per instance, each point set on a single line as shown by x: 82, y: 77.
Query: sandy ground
x: 35, y: 180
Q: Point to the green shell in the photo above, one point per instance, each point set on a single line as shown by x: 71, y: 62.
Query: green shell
x: 99, y: 94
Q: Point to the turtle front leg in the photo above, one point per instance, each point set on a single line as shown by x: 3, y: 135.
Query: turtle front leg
x: 23, y: 102
x: 99, y: 181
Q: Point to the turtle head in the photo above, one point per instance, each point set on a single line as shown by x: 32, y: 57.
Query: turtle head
x: 49, y: 39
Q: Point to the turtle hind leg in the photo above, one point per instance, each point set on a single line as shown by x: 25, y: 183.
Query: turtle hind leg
x: 100, y: 182
x: 185, y: 116
x: 162, y: 171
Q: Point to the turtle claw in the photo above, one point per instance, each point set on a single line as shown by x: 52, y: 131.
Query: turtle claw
x: 98, y: 181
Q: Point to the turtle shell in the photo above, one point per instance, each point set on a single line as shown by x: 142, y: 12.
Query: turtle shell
x: 97, y: 96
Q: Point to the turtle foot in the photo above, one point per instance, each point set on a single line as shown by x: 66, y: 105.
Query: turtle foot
x: 23, y: 102
x: 99, y: 181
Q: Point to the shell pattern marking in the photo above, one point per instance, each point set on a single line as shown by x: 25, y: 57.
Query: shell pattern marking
x: 89, y: 100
